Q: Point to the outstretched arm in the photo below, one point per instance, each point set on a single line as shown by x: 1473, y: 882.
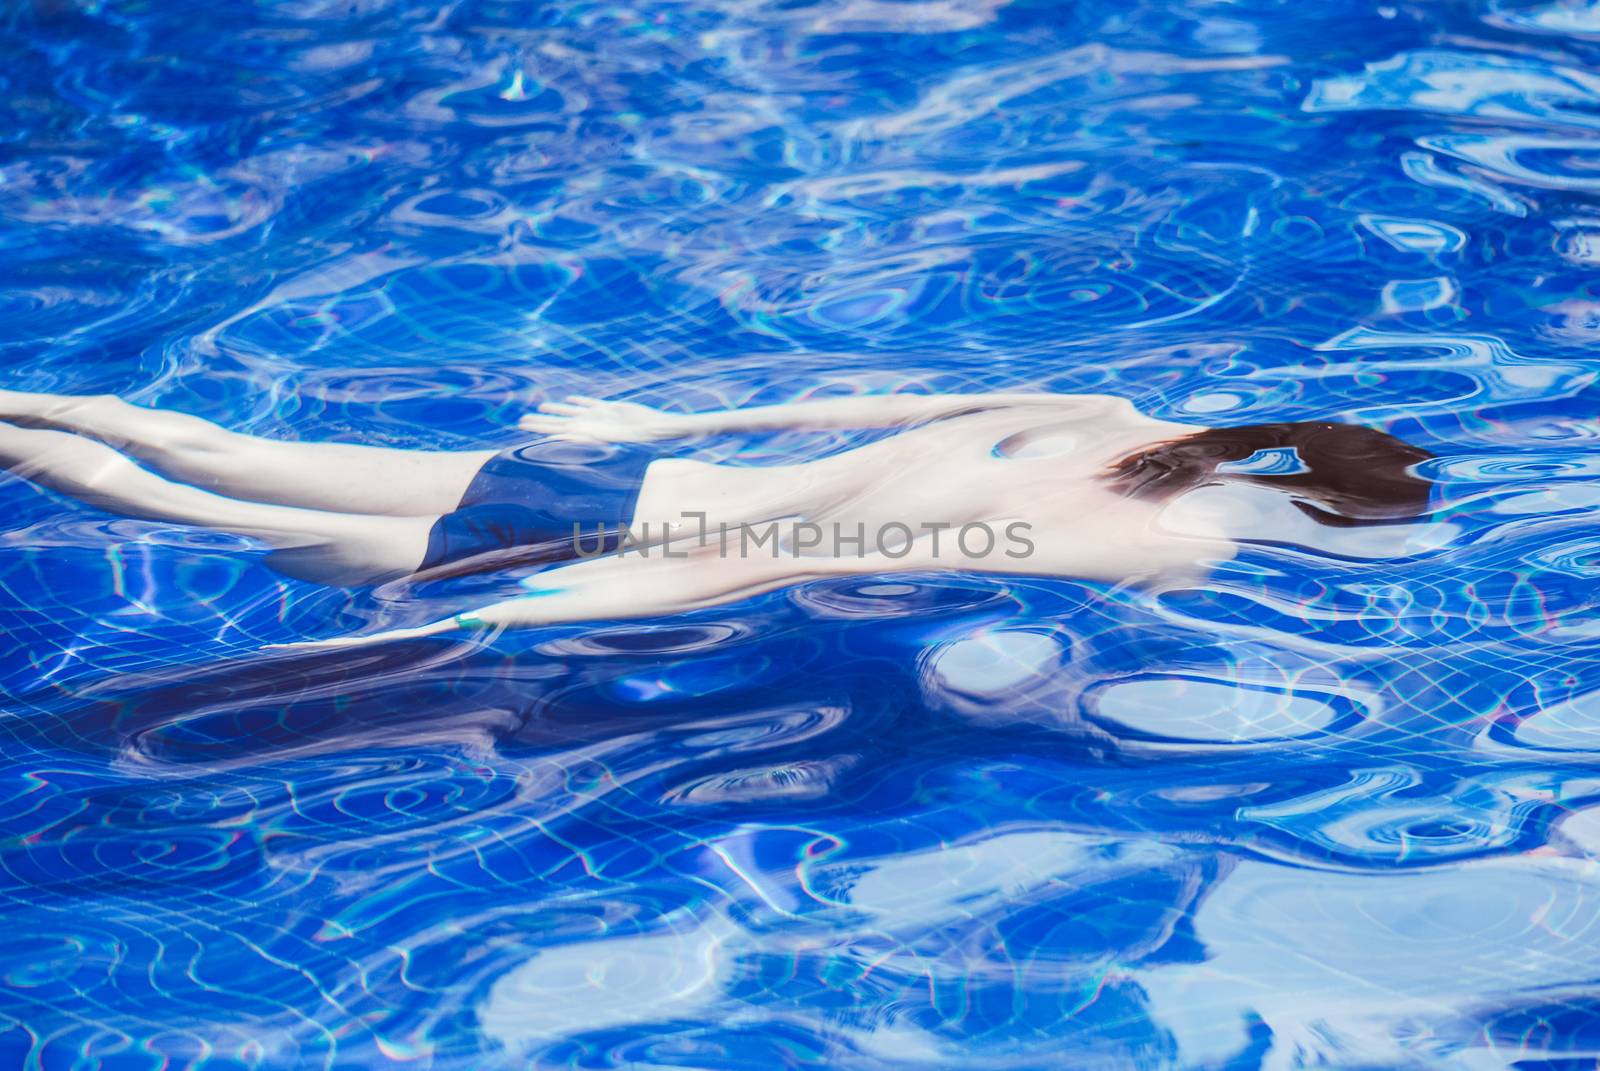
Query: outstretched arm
x: 628, y: 585
x: 595, y: 418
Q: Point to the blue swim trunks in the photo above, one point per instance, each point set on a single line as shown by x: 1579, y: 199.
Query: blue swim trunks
x: 522, y: 505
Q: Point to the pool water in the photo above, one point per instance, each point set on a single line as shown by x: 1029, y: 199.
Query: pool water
x: 1337, y: 806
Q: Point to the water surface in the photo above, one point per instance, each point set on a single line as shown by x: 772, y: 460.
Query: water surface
x: 1334, y: 808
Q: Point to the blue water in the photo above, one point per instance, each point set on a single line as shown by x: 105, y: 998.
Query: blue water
x: 1330, y: 808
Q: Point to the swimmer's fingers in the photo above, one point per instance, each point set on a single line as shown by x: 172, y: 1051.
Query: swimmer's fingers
x: 576, y: 404
x: 336, y: 643
x: 333, y: 644
x: 547, y: 425
x: 558, y: 428
x: 616, y: 422
x: 342, y: 642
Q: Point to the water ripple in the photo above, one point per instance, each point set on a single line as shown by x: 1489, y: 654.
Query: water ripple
x: 1308, y: 811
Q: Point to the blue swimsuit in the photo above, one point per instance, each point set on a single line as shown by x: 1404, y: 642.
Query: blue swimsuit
x: 529, y: 498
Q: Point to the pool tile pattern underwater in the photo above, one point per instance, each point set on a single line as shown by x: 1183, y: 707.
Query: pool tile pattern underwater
x: 1336, y: 807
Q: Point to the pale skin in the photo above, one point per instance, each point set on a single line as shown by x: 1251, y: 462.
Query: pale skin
x: 351, y: 514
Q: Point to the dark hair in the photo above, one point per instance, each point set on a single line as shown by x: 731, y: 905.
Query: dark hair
x: 1360, y: 475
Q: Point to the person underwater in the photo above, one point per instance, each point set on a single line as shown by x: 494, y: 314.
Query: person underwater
x: 1039, y: 484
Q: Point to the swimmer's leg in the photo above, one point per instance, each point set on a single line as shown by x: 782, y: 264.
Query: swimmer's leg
x: 341, y: 477
x: 328, y: 547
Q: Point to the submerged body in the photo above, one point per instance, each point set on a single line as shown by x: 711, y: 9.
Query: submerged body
x: 1033, y: 473
x: 1037, y: 472
x: 1051, y: 484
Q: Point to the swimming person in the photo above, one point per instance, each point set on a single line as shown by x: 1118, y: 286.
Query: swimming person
x: 1020, y: 483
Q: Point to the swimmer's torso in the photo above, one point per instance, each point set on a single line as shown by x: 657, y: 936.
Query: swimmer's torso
x: 1041, y: 469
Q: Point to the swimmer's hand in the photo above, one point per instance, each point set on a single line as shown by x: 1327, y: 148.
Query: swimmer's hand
x: 579, y: 417
x: 338, y: 642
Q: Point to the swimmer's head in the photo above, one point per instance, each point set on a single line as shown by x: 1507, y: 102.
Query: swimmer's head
x: 1347, y: 474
